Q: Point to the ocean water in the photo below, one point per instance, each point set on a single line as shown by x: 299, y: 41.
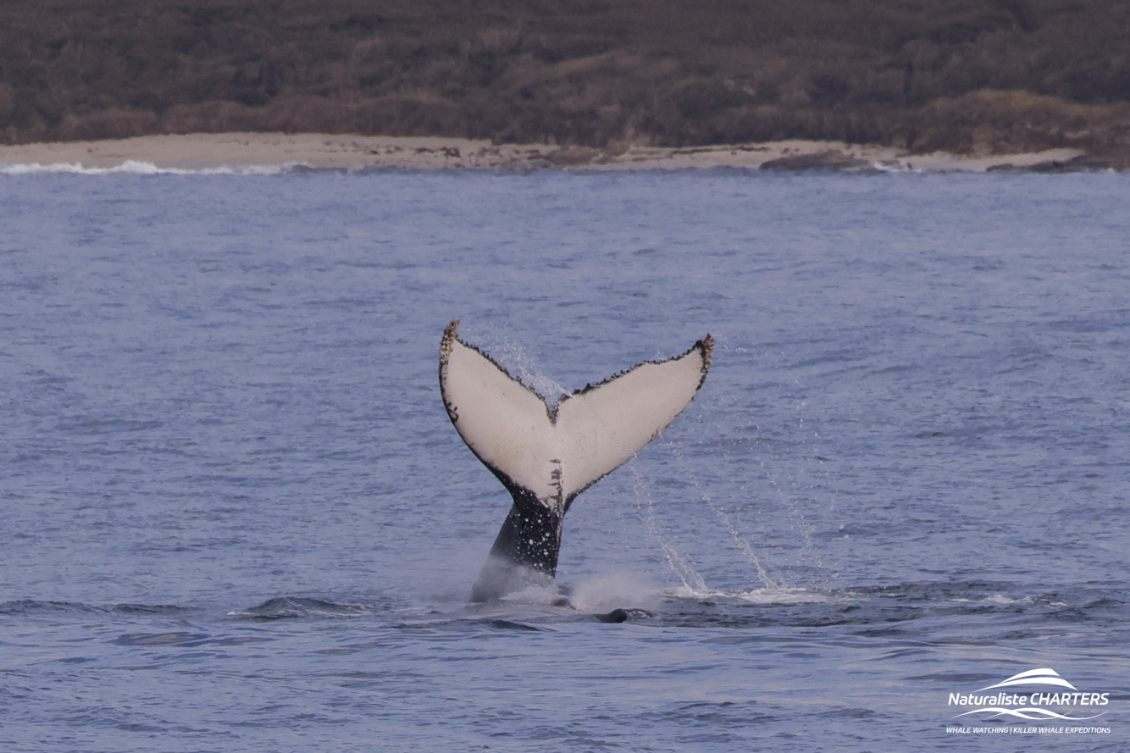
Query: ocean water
x: 236, y: 517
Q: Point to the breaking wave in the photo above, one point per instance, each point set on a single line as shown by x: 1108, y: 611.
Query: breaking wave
x: 137, y: 167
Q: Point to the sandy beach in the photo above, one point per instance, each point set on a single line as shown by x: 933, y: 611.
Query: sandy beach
x: 270, y: 151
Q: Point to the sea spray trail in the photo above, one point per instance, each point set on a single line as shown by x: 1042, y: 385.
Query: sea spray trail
x: 518, y: 361
x: 644, y: 503
x: 236, y: 515
x: 740, y: 542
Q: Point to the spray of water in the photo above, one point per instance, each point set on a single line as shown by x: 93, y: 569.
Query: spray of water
x: 740, y: 542
x: 521, y: 364
x: 645, y: 506
x: 799, y: 518
x: 615, y: 590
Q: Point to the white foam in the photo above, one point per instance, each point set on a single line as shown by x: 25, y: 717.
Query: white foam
x: 615, y: 590
x: 775, y: 595
x: 537, y: 595
x: 137, y: 167
x: 894, y: 167
x: 997, y: 600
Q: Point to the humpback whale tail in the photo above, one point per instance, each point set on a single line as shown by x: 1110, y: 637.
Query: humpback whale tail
x: 545, y: 456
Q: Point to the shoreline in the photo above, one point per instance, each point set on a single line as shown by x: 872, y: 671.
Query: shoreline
x: 272, y: 152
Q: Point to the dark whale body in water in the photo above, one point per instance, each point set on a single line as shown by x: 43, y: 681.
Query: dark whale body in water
x: 547, y: 455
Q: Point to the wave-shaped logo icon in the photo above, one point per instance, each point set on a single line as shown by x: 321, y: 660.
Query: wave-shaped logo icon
x: 1031, y: 713
x: 1041, y: 676
x: 1034, y: 695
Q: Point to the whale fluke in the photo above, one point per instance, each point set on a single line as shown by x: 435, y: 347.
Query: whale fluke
x: 546, y: 455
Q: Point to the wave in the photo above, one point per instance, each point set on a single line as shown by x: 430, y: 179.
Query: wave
x: 137, y: 167
x: 21, y: 607
x: 500, y: 624
x: 893, y: 167
x: 997, y: 599
x: 297, y: 607
x: 469, y: 624
x: 620, y: 614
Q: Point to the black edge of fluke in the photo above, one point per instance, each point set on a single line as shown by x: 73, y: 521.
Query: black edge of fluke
x: 705, y: 346
x: 450, y: 335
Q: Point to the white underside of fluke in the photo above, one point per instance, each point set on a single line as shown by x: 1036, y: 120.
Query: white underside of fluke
x: 555, y: 453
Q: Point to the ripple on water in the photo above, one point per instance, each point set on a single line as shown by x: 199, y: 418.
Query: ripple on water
x: 32, y: 607
x: 300, y: 607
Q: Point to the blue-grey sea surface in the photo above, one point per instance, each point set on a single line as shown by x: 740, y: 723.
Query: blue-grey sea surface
x: 236, y: 518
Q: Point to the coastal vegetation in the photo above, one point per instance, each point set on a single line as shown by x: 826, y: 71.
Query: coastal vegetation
x: 967, y: 76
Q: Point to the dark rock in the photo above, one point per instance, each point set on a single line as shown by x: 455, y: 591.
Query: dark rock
x: 832, y: 159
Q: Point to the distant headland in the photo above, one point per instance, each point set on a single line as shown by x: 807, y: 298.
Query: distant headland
x: 589, y: 80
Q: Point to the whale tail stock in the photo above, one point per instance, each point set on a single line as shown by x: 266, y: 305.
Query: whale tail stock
x: 546, y: 455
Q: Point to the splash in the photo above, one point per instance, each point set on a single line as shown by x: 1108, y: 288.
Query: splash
x: 741, y: 543
x: 645, y: 505
x: 535, y: 594
x: 771, y: 595
x: 517, y: 360
x: 616, y: 591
